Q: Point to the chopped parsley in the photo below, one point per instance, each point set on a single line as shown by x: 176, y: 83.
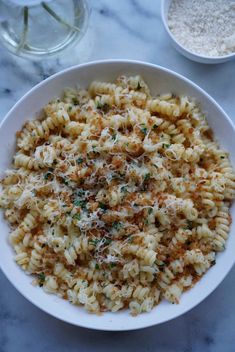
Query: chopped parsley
x: 94, y: 242
x: 75, y: 101
x: 190, y: 225
x: 107, y: 241
x: 144, y: 130
x: 98, y: 104
x: 77, y: 217
x: 146, y: 222
x: 80, y: 203
x: 146, y: 177
x: 66, y: 182
x: 138, y: 86
x: 104, y: 107
x: 161, y: 267
x: 70, y: 108
x: 48, y: 175
x: 124, y: 189
x: 80, y: 193
x: 41, y: 278
x: 222, y: 157
x: 79, y: 161
x: 112, y: 265
x: 103, y: 206
x: 117, y: 225
x: 114, y: 136
x: 97, y: 266
x: 165, y: 145
x: 150, y: 210
x: 155, y: 126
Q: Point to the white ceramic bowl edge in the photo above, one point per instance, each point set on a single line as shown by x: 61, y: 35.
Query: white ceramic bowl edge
x: 160, y: 80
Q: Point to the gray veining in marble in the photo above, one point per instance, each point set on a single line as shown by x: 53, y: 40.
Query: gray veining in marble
x: 129, y: 29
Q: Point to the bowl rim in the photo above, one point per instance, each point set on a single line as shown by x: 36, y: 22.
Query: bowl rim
x: 183, y: 48
x: 186, y: 309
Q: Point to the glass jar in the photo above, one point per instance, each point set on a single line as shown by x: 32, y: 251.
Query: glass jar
x: 35, y: 28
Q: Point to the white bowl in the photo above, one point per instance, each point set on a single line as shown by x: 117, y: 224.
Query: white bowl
x: 186, y: 52
x: 160, y: 80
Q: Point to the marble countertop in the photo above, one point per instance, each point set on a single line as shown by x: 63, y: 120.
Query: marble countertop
x: 129, y: 29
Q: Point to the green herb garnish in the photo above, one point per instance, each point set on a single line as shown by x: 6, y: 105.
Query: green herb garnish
x: 47, y: 175
x: 79, y: 161
x: 41, y: 278
x: 146, y: 177
x: 144, y: 130
x: 75, y: 101
x: 81, y: 193
x: 104, y: 107
x: 97, y: 266
x: 80, y: 203
x: 124, y: 189
x: 107, y: 241
x: 112, y: 265
x: 103, y: 206
x: 190, y: 224
x: 138, y: 86
x: 94, y: 242
x: 77, y: 217
x: 117, y: 225
x: 66, y: 182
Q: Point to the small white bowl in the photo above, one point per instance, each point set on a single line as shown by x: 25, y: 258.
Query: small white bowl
x: 160, y: 81
x: 186, y: 52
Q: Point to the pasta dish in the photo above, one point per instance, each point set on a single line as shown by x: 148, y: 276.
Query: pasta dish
x: 118, y: 199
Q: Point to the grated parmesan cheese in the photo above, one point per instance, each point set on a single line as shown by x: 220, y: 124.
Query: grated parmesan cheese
x: 204, y: 27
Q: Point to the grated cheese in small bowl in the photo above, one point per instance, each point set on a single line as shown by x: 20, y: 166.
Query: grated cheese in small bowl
x: 201, y: 30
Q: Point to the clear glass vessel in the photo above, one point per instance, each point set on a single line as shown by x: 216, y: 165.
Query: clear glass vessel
x: 35, y: 28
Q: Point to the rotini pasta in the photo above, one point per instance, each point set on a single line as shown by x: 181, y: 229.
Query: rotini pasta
x: 118, y: 199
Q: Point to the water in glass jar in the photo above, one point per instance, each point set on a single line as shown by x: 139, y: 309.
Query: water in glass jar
x: 42, y: 29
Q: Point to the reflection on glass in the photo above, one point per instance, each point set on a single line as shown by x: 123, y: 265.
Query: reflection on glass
x: 42, y: 29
